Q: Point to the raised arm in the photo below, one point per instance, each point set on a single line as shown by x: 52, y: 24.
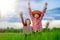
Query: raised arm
x: 29, y: 9
x: 45, y: 7
x: 21, y: 14
x: 44, y: 10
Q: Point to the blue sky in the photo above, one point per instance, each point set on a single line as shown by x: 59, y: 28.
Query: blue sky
x: 22, y: 5
x: 53, y: 5
x: 40, y: 3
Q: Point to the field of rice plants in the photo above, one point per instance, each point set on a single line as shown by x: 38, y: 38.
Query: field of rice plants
x: 46, y: 34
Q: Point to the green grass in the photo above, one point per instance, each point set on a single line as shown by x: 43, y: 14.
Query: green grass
x: 46, y: 34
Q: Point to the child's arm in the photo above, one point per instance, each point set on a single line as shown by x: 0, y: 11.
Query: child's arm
x: 21, y: 14
x: 29, y: 9
x: 45, y: 7
x: 44, y: 10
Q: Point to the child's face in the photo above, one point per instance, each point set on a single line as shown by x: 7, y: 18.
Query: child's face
x: 28, y: 22
x: 36, y: 15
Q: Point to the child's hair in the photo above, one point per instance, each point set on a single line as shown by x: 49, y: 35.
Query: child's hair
x: 37, y: 12
x: 26, y: 20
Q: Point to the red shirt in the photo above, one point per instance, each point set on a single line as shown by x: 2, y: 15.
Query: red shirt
x: 23, y: 21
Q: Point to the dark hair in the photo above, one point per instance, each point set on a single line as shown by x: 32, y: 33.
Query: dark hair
x: 26, y: 20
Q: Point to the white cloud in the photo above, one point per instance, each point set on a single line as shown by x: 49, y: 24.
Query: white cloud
x: 54, y: 23
x: 19, y: 5
x: 14, y: 7
x: 8, y: 9
x: 13, y: 25
x: 6, y: 6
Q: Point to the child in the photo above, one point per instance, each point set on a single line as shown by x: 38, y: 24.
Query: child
x: 26, y: 25
x: 37, y: 17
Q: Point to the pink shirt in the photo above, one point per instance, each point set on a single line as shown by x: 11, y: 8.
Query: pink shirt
x: 37, y: 23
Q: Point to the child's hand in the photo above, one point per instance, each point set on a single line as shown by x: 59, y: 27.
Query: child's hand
x: 21, y: 13
x: 28, y: 4
x: 46, y: 3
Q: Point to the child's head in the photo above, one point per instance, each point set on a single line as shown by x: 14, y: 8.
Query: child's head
x: 36, y: 14
x: 27, y: 22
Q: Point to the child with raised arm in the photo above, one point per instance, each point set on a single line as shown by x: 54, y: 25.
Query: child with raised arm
x: 37, y: 17
x: 27, y: 30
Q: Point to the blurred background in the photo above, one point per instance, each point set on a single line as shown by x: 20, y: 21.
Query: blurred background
x: 10, y: 9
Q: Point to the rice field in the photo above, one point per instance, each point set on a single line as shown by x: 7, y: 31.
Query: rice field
x: 46, y: 34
